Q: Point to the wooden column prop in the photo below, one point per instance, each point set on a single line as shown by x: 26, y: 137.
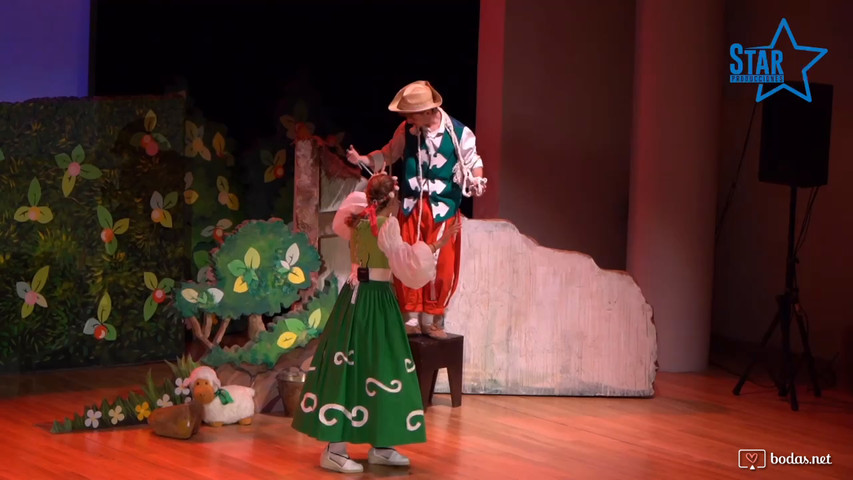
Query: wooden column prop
x: 306, y: 197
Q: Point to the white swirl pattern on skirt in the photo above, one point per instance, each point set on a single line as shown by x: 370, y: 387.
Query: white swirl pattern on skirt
x: 395, y: 387
x: 412, y: 427
x: 410, y: 365
x: 341, y: 357
x: 313, y: 398
x: 350, y: 415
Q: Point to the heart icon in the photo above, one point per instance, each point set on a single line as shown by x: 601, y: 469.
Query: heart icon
x: 752, y: 457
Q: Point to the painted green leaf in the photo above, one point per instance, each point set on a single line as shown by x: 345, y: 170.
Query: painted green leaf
x: 111, y: 246
x: 200, y: 258
x: 150, y: 280
x: 105, y: 219
x: 63, y: 160
x: 34, y: 193
x: 136, y: 139
x: 237, y: 267
x: 205, y: 299
x: 171, y: 200
x: 162, y: 140
x: 167, y: 284
x: 150, y: 308
x: 294, y: 325
x: 89, y: 171
x: 77, y: 155
x: 111, y: 332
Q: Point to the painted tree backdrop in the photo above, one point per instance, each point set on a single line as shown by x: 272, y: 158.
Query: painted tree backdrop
x: 91, y: 202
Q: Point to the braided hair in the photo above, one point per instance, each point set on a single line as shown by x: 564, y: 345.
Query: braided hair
x: 378, y: 191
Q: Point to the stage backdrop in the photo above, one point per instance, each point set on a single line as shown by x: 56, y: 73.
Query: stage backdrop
x: 92, y: 231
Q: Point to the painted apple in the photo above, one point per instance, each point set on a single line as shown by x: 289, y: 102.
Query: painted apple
x: 74, y: 169
x: 159, y: 295
x: 100, y: 332
x: 31, y: 297
x: 219, y: 235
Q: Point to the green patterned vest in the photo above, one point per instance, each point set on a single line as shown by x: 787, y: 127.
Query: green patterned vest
x: 444, y: 194
x: 364, y: 247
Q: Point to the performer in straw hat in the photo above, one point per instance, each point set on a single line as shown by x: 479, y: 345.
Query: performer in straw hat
x: 440, y: 165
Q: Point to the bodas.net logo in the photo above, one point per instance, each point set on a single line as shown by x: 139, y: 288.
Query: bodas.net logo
x: 766, y: 65
x: 752, y: 458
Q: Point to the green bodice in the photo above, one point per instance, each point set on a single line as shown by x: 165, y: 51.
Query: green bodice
x: 364, y: 247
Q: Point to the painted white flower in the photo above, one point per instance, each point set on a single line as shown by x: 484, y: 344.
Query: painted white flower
x: 116, y: 415
x: 188, y: 399
x: 165, y: 401
x: 92, y: 417
x: 180, y: 389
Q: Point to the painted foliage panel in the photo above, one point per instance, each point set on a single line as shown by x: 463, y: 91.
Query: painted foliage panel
x: 92, y: 231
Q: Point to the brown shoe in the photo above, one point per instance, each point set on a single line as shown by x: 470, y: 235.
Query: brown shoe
x: 435, y: 331
x: 413, y: 330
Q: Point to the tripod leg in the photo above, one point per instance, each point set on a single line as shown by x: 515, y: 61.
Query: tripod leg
x: 788, y: 362
x: 807, y: 352
x: 764, y: 340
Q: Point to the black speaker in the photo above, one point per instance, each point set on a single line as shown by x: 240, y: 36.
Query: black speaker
x: 795, y: 137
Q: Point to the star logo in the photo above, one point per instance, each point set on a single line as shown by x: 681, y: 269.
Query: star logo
x: 807, y: 95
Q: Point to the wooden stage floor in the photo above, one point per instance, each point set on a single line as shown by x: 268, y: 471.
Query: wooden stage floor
x: 692, y: 429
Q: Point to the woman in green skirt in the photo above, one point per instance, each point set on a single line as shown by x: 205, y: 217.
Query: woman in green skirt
x: 362, y: 386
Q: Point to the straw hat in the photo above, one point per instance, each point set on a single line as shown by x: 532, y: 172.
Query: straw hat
x: 415, y: 97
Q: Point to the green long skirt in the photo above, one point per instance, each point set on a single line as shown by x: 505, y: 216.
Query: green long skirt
x: 362, y: 386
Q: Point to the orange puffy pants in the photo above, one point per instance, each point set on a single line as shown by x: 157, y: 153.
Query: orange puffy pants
x: 434, y: 296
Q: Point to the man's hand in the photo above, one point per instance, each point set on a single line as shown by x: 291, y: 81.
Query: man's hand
x: 449, y: 234
x: 454, y: 229
x: 354, y: 158
x: 478, y: 187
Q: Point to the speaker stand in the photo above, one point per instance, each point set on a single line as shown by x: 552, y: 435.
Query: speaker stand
x: 789, y: 311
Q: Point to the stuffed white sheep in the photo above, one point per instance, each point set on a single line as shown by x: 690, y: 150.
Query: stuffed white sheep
x: 222, y: 405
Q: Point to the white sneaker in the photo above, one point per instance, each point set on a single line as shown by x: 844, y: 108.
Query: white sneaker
x: 394, y: 458
x: 339, y: 463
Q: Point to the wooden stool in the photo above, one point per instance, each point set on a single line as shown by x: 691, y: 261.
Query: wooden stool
x: 430, y: 355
